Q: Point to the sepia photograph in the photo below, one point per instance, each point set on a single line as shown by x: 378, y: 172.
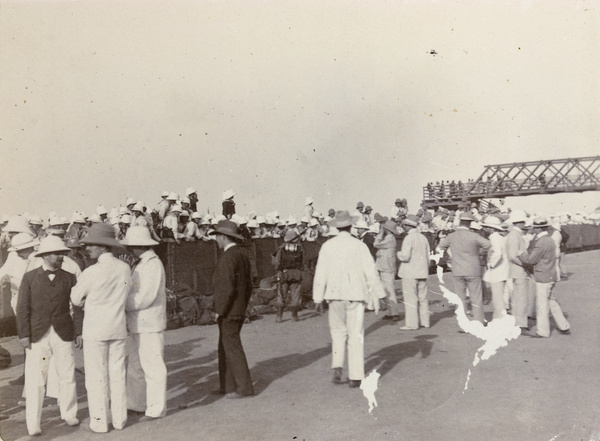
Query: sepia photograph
x: 299, y: 220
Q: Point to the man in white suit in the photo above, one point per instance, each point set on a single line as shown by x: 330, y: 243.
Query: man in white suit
x: 102, y: 291
x: 347, y: 278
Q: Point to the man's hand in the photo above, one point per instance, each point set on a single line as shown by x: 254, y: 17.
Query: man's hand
x: 319, y: 308
x: 25, y: 342
x: 79, y: 342
x: 5, y: 281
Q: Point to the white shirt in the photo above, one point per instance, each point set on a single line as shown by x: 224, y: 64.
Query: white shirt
x: 147, y: 301
x: 102, y: 291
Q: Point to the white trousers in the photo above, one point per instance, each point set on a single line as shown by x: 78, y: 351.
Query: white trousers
x: 50, y: 346
x: 346, y: 324
x: 497, y: 289
x: 387, y: 280
x: 147, y: 374
x: 416, y: 304
x: 105, y: 374
x: 546, y: 302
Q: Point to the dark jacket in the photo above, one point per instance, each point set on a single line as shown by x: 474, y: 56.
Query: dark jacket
x: 228, y: 208
x: 232, y: 281
x: 44, y: 303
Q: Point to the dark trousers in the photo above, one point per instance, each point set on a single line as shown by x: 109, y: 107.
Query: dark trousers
x: 234, y: 375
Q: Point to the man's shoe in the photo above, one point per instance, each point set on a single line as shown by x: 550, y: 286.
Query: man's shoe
x: 233, y: 395
x: 387, y: 317
x: 22, y: 403
x: 72, y: 421
x: 396, y: 318
x: 146, y: 418
x: 529, y: 333
x: 354, y: 383
x: 36, y: 432
x: 565, y: 332
x: 406, y: 328
x: 131, y: 412
x: 337, y: 376
x: 18, y: 381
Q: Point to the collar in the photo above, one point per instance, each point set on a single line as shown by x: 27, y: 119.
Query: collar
x: 47, y: 268
x: 542, y: 234
x: 104, y: 256
x: 229, y: 245
x: 460, y: 227
x: 147, y: 255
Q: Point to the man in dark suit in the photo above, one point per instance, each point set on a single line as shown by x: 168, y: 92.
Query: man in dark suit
x: 46, y: 329
x: 233, y: 286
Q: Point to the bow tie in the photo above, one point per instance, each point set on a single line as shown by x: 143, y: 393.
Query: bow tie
x: 48, y: 272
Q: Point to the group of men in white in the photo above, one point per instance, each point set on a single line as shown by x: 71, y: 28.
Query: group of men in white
x: 124, y: 309
x: 111, y: 311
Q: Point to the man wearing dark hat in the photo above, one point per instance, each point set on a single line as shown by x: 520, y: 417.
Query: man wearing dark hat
x: 542, y: 256
x: 347, y: 279
x: 233, y: 287
x: 47, y: 330
x: 289, y: 262
x: 466, y: 246
x: 414, y: 269
x: 102, y: 288
x: 146, y: 322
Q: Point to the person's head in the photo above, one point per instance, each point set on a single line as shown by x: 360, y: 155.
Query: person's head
x: 398, y: 202
x: 23, y: 244
x: 410, y: 222
x: 185, y: 203
x: 360, y: 207
x: 138, y: 241
x: 465, y: 220
x: 99, y: 240
x: 540, y: 224
x: 52, y: 250
x: 343, y: 221
x: 226, y: 232
x: 130, y: 203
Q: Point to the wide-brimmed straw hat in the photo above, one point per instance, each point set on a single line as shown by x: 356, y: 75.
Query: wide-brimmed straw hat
x: 22, y: 241
x: 52, y: 244
x: 138, y: 237
x: 540, y: 222
x: 493, y: 222
x: 101, y: 234
x: 227, y: 228
x: 390, y: 226
x: 342, y: 219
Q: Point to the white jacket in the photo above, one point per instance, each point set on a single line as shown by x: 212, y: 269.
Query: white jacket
x: 346, y: 271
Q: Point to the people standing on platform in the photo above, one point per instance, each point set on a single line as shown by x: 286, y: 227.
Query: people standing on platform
x: 308, y: 207
x: 385, y: 244
x: 47, y: 331
x: 102, y: 291
x: 346, y: 277
x: 193, y: 197
x: 228, y: 203
x: 414, y: 270
x: 288, y: 261
x: 541, y: 255
x: 497, y: 265
x: 466, y: 246
x: 233, y: 288
x: 146, y: 322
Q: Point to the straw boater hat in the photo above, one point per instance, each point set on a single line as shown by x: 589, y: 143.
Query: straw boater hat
x: 52, y: 244
x: 342, y: 219
x: 540, y: 222
x: 467, y: 217
x: 493, y: 222
x: 138, y: 237
x: 227, y: 228
x: 22, y: 241
x: 100, y: 234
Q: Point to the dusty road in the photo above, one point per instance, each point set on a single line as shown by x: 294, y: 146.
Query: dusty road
x: 533, y: 389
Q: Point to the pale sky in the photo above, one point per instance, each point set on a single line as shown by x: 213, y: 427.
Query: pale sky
x: 279, y: 100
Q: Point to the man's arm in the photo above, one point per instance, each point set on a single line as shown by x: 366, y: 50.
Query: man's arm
x: 225, y: 288
x: 534, y: 255
x: 80, y: 291
x: 23, y: 312
x: 144, y: 287
x: 406, y: 251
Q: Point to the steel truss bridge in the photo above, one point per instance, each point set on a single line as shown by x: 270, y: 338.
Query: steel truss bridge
x: 571, y: 175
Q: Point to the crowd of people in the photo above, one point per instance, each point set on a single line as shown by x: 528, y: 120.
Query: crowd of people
x: 69, y: 290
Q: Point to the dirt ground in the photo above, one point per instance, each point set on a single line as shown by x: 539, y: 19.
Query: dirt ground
x: 533, y: 389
